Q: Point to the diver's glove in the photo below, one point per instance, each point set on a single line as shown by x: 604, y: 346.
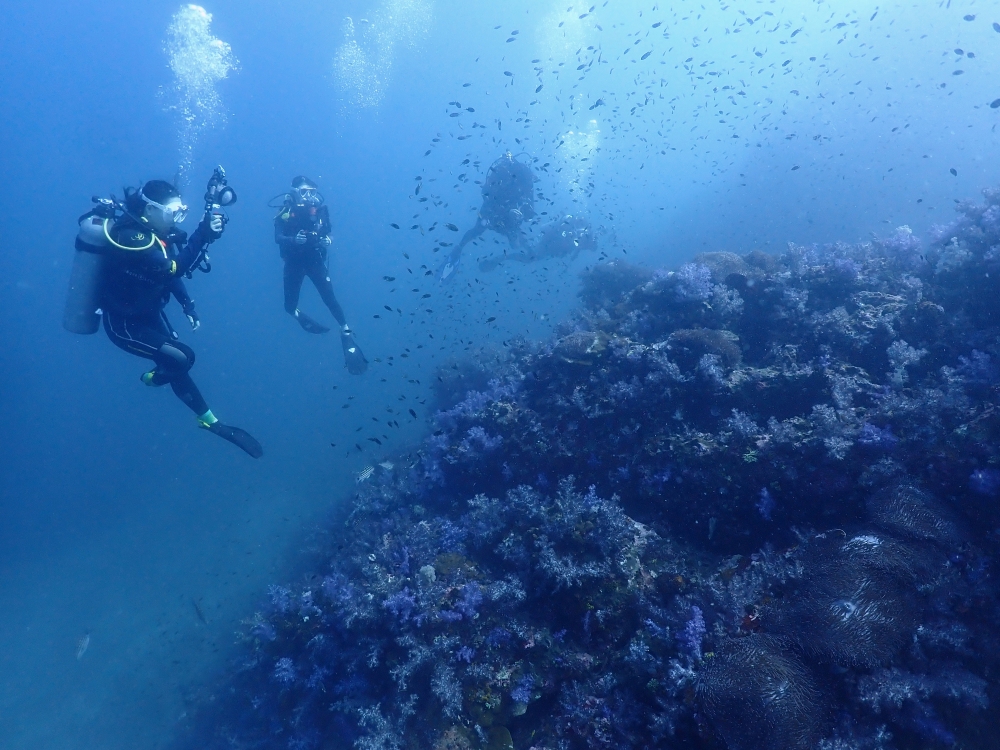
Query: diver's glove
x: 326, y: 240
x: 301, y: 237
x: 213, y: 226
x: 192, y: 316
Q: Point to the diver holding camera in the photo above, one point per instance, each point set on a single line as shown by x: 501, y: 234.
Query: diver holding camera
x: 131, y: 256
x: 302, y: 231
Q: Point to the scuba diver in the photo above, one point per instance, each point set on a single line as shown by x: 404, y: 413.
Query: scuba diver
x: 565, y: 237
x: 131, y: 257
x: 508, y: 199
x: 302, y: 231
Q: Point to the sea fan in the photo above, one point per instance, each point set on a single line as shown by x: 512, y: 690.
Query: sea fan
x: 854, y: 605
x: 907, y: 512
x: 759, y: 697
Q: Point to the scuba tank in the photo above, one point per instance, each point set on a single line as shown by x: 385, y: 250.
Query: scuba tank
x: 82, y: 313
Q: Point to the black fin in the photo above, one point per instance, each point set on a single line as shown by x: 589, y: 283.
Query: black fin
x: 354, y: 358
x: 239, y: 438
x: 310, y: 325
x: 446, y: 272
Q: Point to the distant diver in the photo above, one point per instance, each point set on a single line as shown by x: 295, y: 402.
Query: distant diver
x: 130, y: 258
x: 302, y: 231
x: 508, y: 200
x: 566, y: 237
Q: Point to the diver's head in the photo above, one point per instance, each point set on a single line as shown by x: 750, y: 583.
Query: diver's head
x: 305, y: 192
x: 160, y: 205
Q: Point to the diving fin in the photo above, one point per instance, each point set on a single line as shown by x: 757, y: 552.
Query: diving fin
x: 447, y: 271
x: 354, y: 358
x: 308, y: 324
x: 236, y: 436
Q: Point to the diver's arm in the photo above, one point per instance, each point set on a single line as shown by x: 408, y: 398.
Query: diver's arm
x: 191, y: 253
x: 179, y: 289
x: 281, y: 235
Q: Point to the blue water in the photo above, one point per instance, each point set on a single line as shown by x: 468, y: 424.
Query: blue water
x: 117, y: 515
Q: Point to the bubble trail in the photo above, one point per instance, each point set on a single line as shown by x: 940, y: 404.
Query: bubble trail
x: 198, y: 61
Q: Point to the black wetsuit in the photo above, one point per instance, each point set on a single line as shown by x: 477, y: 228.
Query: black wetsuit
x: 308, y: 259
x: 508, y: 199
x: 141, y: 273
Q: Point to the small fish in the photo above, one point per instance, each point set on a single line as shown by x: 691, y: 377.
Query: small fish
x: 969, y: 17
x: 452, y: 227
x: 508, y: 74
x: 954, y: 172
x: 540, y: 87
x: 995, y: 103
x: 490, y: 320
x: 794, y: 168
x: 646, y: 55
x: 365, y: 473
x: 657, y: 24
x: 197, y: 611
x: 389, y: 278
x: 413, y: 413
x: 387, y: 465
x: 394, y: 226
x: 82, y: 645
x: 996, y: 27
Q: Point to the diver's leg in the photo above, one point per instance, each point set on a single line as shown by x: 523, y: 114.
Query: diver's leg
x: 319, y: 275
x: 476, y: 231
x: 295, y: 272
x: 450, y: 265
x: 151, y: 340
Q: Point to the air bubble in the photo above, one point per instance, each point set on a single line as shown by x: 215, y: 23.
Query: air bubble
x: 364, y: 61
x: 198, y: 61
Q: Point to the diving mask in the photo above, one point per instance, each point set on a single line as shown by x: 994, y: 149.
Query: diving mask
x: 306, y: 196
x: 174, y: 212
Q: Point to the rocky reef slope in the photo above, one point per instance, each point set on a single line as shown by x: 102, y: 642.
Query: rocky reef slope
x: 747, y: 504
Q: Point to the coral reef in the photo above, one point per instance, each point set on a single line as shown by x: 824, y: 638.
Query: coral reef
x: 749, y: 503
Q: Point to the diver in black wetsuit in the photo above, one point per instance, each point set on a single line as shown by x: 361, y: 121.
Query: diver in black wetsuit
x: 563, y: 238
x: 302, y: 231
x: 145, y: 256
x: 508, y: 200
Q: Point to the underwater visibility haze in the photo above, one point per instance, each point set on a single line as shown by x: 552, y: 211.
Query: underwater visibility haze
x: 605, y: 375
